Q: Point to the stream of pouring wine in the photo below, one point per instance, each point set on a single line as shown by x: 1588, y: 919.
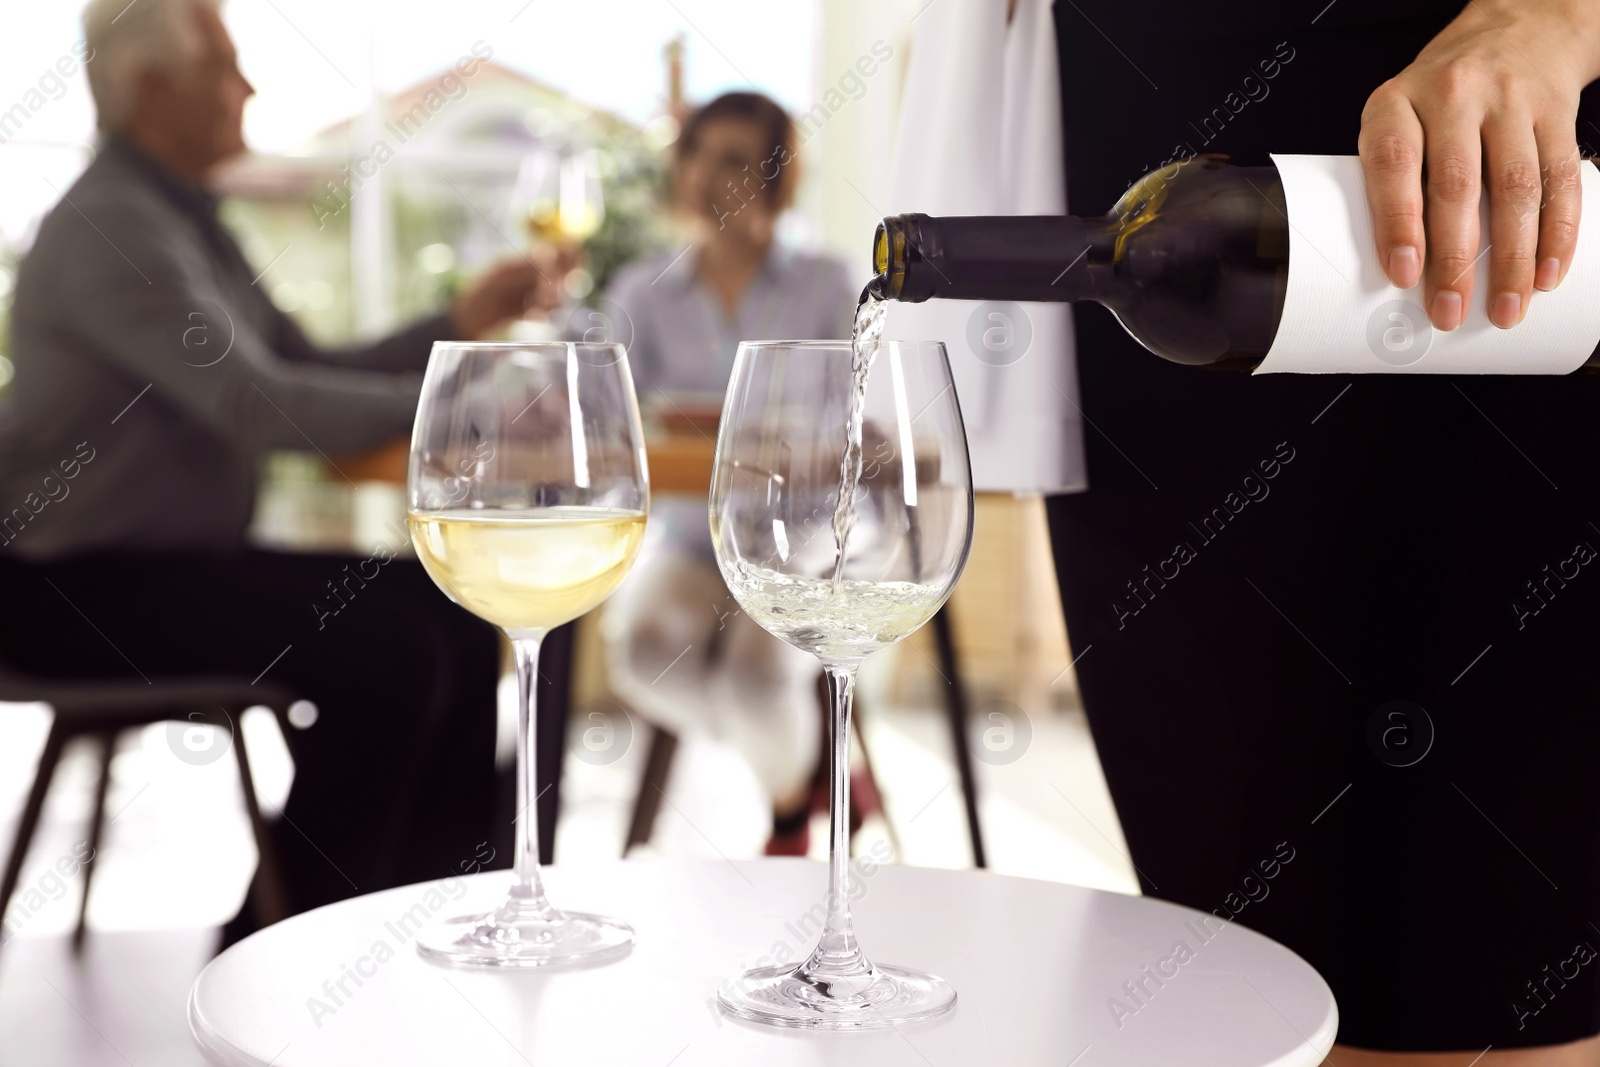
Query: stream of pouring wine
x: 870, y: 314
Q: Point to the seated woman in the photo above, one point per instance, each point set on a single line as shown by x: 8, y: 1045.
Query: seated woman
x: 681, y: 652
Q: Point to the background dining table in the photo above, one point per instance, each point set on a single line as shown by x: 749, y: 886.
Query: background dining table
x: 680, y: 451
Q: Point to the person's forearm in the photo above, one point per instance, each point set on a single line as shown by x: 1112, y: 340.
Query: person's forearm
x: 404, y: 350
x: 328, y: 409
x: 1571, y: 28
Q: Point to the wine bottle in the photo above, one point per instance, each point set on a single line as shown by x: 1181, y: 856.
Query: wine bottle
x: 1193, y: 260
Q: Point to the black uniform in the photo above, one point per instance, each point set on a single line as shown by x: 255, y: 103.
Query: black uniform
x: 1263, y: 566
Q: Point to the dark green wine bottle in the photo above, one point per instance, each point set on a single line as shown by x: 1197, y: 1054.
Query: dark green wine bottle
x: 1193, y: 260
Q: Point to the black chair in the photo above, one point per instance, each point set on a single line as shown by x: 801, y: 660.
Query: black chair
x: 955, y: 708
x: 659, y: 757
x: 664, y: 747
x: 103, y: 709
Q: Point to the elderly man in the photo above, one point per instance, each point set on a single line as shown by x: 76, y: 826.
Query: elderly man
x: 152, y: 375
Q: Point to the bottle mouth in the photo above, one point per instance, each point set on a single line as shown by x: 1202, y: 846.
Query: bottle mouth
x: 889, y: 259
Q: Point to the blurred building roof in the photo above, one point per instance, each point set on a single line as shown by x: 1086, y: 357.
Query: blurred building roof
x: 484, y: 123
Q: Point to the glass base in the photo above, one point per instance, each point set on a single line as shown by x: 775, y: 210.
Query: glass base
x: 561, y: 939
x: 883, y: 996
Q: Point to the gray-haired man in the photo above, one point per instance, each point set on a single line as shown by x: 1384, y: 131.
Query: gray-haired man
x: 128, y: 450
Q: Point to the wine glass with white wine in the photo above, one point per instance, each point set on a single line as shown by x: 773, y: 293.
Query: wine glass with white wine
x: 841, y: 513
x: 559, y: 199
x: 560, y: 202
x: 528, y: 495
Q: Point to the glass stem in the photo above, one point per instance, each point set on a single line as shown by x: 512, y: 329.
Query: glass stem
x: 837, y: 952
x: 527, y: 890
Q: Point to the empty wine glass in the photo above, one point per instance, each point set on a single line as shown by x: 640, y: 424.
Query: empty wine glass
x: 840, y: 582
x: 528, y: 495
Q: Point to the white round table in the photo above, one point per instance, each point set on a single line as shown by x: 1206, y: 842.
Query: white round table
x: 1045, y: 974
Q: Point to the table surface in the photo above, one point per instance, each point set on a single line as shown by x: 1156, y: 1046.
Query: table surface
x: 1038, y: 969
x: 681, y: 463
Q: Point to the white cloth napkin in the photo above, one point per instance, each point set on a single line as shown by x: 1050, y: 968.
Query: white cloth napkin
x: 980, y: 134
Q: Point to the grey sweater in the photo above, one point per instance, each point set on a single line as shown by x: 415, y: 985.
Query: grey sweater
x: 152, y: 375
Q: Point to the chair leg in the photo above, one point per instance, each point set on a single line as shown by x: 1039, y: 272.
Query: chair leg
x: 554, y: 685
x: 872, y: 775
x: 652, y: 783
x: 29, y: 822
x: 266, y: 889
x: 956, y: 710
x: 108, y: 744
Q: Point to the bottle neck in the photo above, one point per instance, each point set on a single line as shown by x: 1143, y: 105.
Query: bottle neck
x: 980, y: 257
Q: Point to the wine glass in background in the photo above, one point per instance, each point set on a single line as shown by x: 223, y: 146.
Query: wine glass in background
x: 528, y: 495
x: 781, y: 454
x: 582, y: 206
x: 559, y: 201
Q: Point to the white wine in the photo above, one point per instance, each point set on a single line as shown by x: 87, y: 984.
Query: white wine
x: 528, y: 570
x: 871, y: 313
x: 563, y: 224
x: 834, y: 621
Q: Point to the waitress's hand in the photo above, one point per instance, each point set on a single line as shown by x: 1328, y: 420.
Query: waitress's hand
x: 1493, y: 98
